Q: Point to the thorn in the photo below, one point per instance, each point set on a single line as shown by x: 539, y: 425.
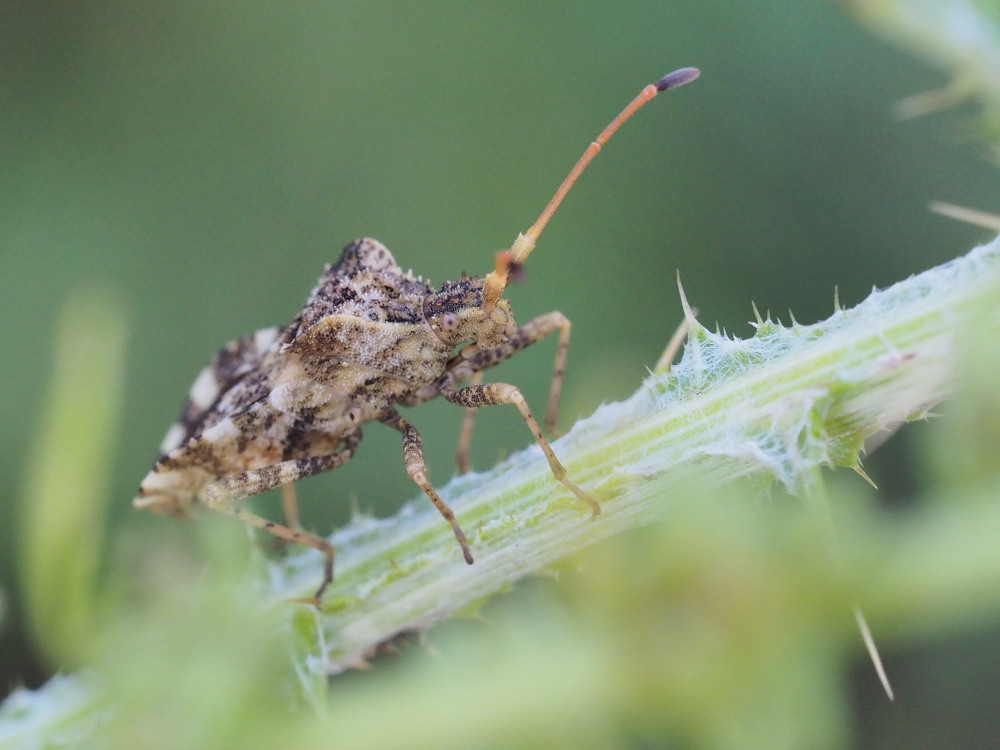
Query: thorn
x: 673, y: 346
x: 756, y: 313
x: 968, y: 215
x: 836, y: 299
x: 861, y: 473
x: 866, y: 636
x: 688, y: 312
x: 791, y: 315
x: 927, y: 102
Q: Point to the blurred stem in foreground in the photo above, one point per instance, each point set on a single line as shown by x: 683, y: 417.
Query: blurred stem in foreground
x: 63, y: 502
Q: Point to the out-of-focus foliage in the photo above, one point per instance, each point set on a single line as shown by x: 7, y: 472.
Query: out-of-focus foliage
x: 205, y: 161
x: 63, y: 538
x: 727, y: 624
x: 960, y: 36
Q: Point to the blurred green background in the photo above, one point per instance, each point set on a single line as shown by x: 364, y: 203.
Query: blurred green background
x: 202, y: 162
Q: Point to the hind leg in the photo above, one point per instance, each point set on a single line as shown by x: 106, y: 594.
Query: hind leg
x: 224, y: 495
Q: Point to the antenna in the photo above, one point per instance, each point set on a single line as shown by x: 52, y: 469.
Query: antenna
x: 496, y: 281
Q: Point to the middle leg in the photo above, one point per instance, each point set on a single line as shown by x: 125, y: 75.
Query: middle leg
x: 465, y: 435
x: 413, y: 457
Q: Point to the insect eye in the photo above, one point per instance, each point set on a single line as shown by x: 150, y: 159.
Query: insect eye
x: 449, y: 322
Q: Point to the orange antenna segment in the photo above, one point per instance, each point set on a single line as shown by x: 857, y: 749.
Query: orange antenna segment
x: 496, y: 282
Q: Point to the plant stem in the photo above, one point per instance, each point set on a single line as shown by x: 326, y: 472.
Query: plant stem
x: 772, y: 407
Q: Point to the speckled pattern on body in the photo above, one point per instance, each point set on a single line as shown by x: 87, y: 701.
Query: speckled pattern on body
x: 286, y: 403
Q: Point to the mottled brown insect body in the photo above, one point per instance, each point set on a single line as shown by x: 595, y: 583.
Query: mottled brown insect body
x: 287, y: 403
x: 369, y: 338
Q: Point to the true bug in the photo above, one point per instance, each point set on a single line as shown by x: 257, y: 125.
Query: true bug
x: 287, y: 403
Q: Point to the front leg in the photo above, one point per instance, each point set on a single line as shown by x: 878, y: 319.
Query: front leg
x: 475, y: 396
x: 474, y: 359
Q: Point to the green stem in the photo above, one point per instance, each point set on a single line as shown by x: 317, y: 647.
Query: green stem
x: 773, y: 407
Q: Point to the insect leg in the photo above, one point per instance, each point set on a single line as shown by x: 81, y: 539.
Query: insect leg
x: 290, y: 506
x: 288, y: 535
x: 413, y: 457
x: 235, y: 487
x: 223, y: 494
x: 475, y: 396
x: 465, y: 435
x: 290, y: 511
x: 560, y: 321
x: 532, y: 331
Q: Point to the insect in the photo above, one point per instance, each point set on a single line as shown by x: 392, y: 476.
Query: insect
x: 289, y: 402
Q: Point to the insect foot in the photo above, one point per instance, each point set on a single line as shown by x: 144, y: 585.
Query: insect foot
x: 287, y: 403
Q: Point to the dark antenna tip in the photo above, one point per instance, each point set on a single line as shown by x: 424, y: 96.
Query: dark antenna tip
x: 677, y: 78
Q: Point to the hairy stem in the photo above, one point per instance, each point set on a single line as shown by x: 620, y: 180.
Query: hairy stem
x: 773, y: 407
